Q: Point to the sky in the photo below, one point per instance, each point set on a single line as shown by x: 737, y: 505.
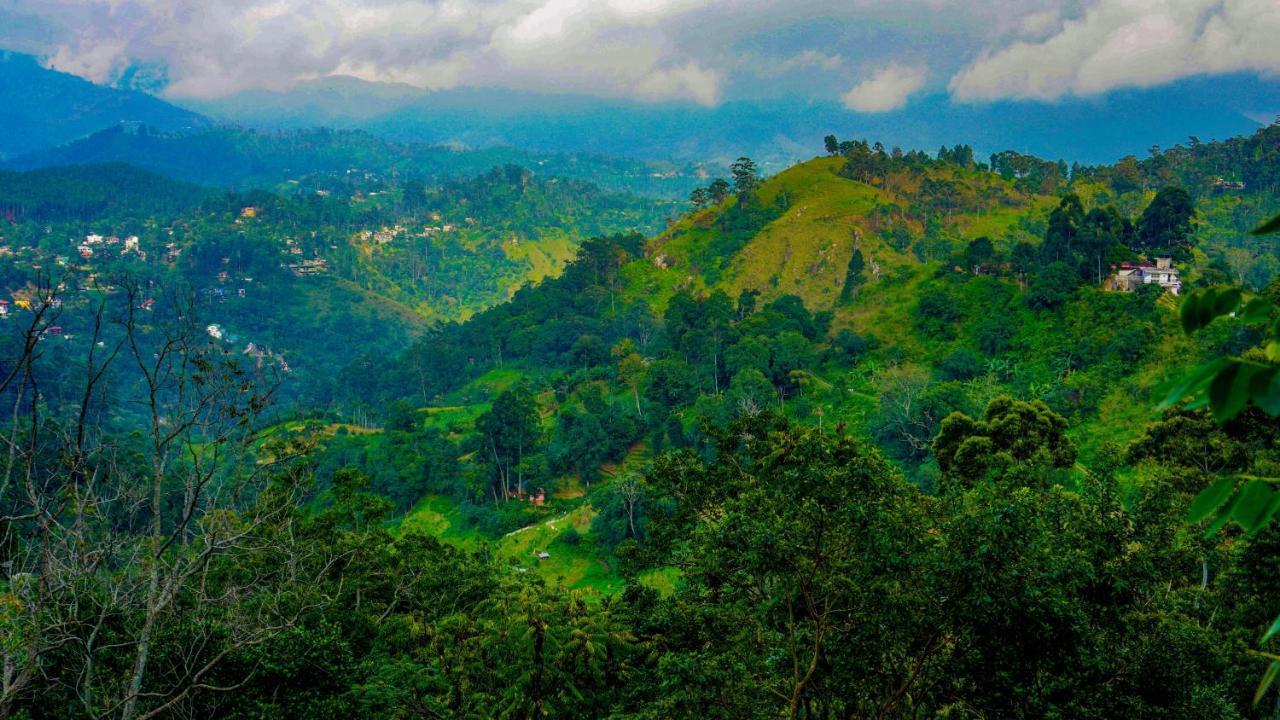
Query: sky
x: 873, y: 56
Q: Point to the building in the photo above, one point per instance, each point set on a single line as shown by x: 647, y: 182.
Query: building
x: 1128, y: 277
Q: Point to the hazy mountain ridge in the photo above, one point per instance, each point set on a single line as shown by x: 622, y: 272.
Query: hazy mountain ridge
x: 775, y: 131
x: 242, y: 158
x: 41, y: 108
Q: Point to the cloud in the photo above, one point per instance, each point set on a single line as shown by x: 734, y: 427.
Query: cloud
x: 888, y: 89
x: 653, y: 50
x: 1128, y: 43
x: 770, y: 67
x: 212, y: 48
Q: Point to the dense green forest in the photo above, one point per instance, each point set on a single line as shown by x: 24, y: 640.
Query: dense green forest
x: 878, y: 436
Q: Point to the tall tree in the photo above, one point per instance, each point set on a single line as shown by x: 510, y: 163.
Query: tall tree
x: 745, y: 176
x: 1166, y: 225
x: 510, y: 430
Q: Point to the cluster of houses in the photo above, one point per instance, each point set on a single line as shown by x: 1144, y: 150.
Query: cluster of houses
x: 1128, y: 277
x: 382, y: 236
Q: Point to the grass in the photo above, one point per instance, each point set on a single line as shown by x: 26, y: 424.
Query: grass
x: 442, y: 518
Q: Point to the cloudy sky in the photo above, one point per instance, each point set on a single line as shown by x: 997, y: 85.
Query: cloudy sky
x: 872, y: 55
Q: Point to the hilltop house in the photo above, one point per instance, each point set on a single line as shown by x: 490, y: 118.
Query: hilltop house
x: 1128, y: 277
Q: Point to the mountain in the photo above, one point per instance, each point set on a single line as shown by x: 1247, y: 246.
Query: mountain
x: 89, y: 192
x: 235, y: 157
x: 41, y: 108
x: 874, y: 293
x: 774, y: 131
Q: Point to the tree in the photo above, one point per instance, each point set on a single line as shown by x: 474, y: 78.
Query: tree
x: 631, y: 372
x: 745, y: 176
x: 749, y: 392
x: 1023, y: 259
x: 978, y: 253
x: 510, y: 430
x: 1010, y: 432
x: 138, y: 566
x: 1052, y: 286
x: 852, y: 275
x: 832, y: 144
x: 1167, y: 223
x: 789, y: 546
x: 1230, y: 385
x: 1064, y: 226
x: 699, y: 198
x: 718, y: 190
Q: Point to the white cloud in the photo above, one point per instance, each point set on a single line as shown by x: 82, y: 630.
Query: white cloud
x: 1129, y: 43
x: 888, y: 89
x: 692, y: 50
x: 211, y: 48
x: 1039, y: 23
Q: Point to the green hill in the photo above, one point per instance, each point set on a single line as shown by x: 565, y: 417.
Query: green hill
x: 921, y: 331
x: 877, y: 436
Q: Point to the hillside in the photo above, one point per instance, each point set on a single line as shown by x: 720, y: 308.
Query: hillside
x: 322, y: 281
x: 42, y: 108
x: 960, y: 292
x: 890, y: 415
x: 242, y: 158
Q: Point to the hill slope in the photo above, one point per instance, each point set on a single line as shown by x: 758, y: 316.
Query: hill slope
x: 243, y: 158
x: 41, y: 108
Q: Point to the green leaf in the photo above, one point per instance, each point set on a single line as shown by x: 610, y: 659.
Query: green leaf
x: 1269, y: 677
x: 1264, y: 389
x: 1254, y: 506
x: 1268, y: 227
x: 1225, y: 302
x: 1203, y: 306
x: 1218, y: 523
x: 1193, y: 382
x: 1229, y: 390
x: 1257, y: 311
x: 1271, y: 631
x: 1210, y: 499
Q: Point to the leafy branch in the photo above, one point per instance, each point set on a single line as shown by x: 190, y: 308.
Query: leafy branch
x: 1228, y: 385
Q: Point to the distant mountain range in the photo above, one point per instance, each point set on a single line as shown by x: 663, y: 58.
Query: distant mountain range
x: 41, y: 108
x: 775, y: 131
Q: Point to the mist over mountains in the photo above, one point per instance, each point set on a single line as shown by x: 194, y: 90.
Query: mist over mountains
x: 776, y: 130
x: 42, y: 108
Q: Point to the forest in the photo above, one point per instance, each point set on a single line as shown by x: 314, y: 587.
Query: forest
x: 883, y: 435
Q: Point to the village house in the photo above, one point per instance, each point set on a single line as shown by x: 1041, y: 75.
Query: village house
x: 1223, y: 185
x: 1128, y: 277
x: 308, y: 267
